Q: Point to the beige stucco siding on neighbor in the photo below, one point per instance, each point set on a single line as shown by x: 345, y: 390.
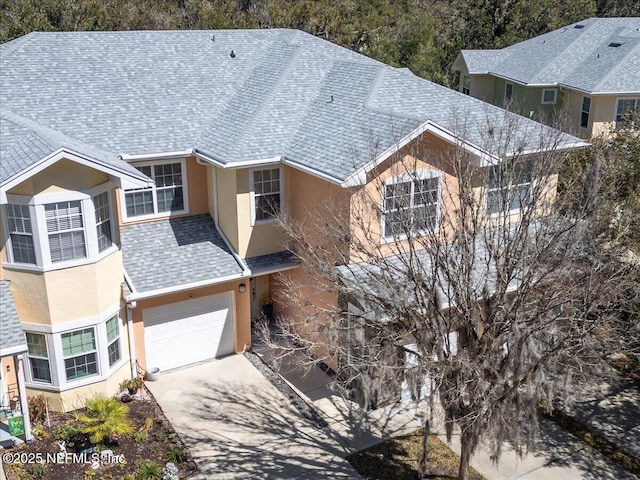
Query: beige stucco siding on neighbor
x: 68, y: 294
x: 62, y: 176
x: 241, y: 313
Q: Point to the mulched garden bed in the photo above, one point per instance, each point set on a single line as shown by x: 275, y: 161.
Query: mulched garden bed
x: 145, y: 452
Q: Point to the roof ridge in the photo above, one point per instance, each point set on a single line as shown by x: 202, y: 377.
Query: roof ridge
x: 11, y: 45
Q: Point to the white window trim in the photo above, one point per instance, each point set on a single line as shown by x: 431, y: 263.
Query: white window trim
x: 40, y: 234
x: 29, y: 372
x: 185, y: 193
x: 252, y: 195
x: 583, y: 111
x: 513, y: 211
x: 422, y: 174
x: 53, y: 338
x: 555, y: 96
x: 466, y: 84
x: 507, y: 100
x: 615, y: 107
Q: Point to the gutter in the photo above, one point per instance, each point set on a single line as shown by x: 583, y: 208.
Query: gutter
x: 157, y: 156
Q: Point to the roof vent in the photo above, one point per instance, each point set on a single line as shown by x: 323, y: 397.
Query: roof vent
x: 578, y: 26
x: 615, y: 44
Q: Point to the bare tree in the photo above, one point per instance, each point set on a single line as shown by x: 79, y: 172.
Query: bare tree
x: 461, y: 278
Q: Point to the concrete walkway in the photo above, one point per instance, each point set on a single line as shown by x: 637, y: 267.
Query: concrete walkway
x: 558, y: 455
x: 238, y: 426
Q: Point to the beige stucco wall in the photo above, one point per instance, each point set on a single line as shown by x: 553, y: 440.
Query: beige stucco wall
x: 228, y: 205
x: 75, y: 398
x: 60, y: 296
x: 241, y: 311
x: 62, y: 176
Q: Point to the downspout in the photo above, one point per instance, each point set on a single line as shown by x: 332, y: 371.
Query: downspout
x: 24, y: 404
x: 132, y: 341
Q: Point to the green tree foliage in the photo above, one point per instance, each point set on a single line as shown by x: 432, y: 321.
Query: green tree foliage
x: 105, y: 419
x: 424, y: 36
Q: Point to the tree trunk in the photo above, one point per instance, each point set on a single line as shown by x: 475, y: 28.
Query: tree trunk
x: 465, y: 457
x: 423, y: 466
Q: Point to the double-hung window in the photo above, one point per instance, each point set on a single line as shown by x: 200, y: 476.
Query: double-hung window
x: 103, y: 221
x: 19, y: 220
x: 508, y: 187
x: 79, y: 353
x: 113, y: 339
x: 625, y: 108
x: 267, y: 193
x: 466, y: 84
x: 164, y: 197
x: 38, y: 357
x: 584, y: 114
x: 66, y: 231
x: 410, y: 206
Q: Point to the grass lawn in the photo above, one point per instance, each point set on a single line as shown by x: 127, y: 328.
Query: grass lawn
x: 397, y: 459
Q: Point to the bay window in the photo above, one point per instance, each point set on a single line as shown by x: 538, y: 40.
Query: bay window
x: 61, y: 358
x: 56, y: 230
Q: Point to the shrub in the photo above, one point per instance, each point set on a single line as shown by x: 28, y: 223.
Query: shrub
x: 148, y: 423
x: 39, y: 432
x: 106, y: 419
x: 66, y: 433
x: 140, y: 436
x: 149, y: 470
x: 127, y: 476
x: 36, y: 470
x: 37, y: 408
x: 175, y: 454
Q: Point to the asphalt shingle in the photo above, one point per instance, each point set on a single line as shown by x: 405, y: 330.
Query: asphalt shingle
x: 580, y: 58
x: 174, y: 252
x: 12, y: 338
x: 283, y: 93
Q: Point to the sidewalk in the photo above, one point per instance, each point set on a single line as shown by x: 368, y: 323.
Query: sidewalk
x: 613, y: 410
x: 558, y: 455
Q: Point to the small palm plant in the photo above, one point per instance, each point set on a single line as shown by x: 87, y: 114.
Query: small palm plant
x: 106, y: 419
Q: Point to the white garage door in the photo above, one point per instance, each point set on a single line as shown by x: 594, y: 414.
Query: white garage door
x: 190, y: 331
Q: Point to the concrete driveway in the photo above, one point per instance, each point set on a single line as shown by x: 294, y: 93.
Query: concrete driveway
x: 238, y: 426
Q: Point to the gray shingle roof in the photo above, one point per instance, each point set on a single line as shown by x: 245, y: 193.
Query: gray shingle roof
x: 271, y: 262
x: 579, y: 58
x: 175, y: 252
x: 12, y: 338
x: 284, y: 94
x: 23, y: 143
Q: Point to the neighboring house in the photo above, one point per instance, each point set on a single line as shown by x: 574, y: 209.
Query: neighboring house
x: 141, y: 173
x: 591, y: 69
